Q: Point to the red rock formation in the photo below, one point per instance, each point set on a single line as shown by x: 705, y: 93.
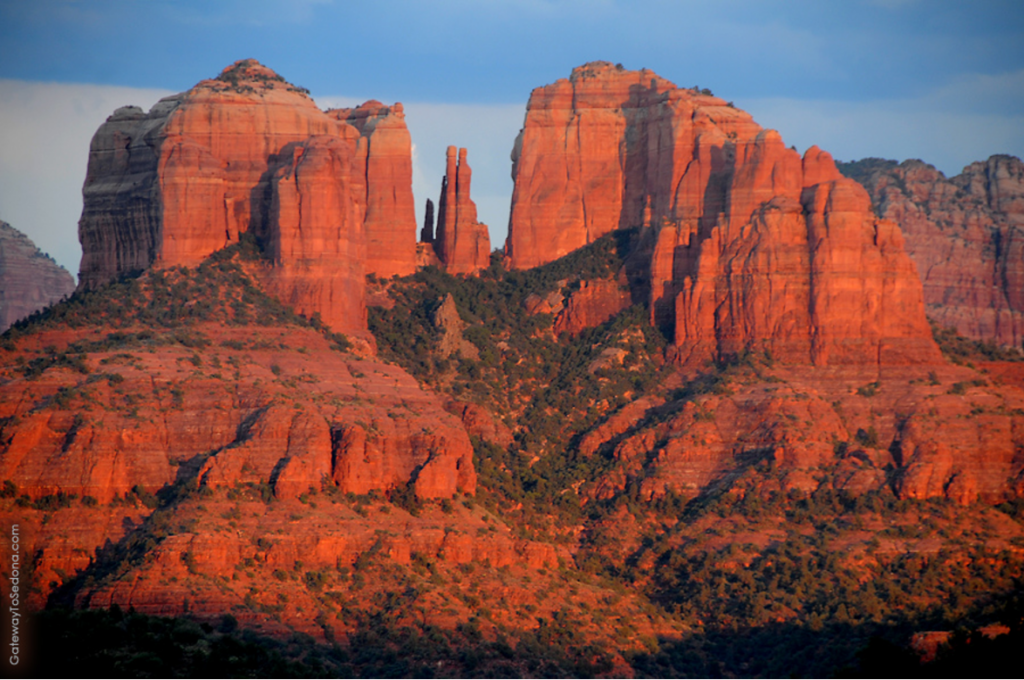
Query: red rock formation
x: 451, y: 325
x: 940, y: 443
x: 752, y: 248
x: 316, y: 238
x: 289, y: 425
x: 594, y: 303
x: 462, y: 243
x: 177, y: 575
x: 966, y: 235
x: 426, y: 256
x: 479, y: 422
x: 385, y: 150
x: 29, y: 280
x: 575, y: 167
x: 172, y: 186
x: 379, y: 458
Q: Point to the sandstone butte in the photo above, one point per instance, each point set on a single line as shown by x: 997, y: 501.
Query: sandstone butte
x: 462, y: 244
x: 329, y: 194
x: 752, y: 248
x: 29, y: 279
x: 966, y: 235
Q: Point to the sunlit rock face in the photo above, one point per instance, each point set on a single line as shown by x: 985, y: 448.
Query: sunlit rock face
x: 752, y: 248
x: 462, y: 243
x: 171, y: 186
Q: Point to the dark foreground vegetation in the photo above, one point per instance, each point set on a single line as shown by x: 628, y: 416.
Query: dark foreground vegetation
x: 115, y: 644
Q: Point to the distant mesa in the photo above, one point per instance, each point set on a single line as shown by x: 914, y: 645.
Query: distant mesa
x: 29, y: 279
x: 966, y: 235
x: 749, y: 247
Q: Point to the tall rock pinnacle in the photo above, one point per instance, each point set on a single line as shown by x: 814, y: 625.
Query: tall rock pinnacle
x: 462, y: 243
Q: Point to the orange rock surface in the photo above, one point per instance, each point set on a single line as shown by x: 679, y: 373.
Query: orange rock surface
x: 966, y: 235
x: 317, y: 240
x: 752, y: 247
x: 805, y: 429
x: 287, y: 418
x: 174, y: 185
x: 461, y: 242
x: 594, y: 303
x: 479, y: 422
x: 385, y: 156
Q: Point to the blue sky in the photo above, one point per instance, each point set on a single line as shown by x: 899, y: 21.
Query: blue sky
x: 941, y: 81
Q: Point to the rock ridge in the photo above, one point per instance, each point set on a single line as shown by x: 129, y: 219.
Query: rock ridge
x: 29, y: 279
x: 966, y: 235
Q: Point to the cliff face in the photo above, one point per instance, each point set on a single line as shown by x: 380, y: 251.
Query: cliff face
x: 966, y: 235
x: 462, y: 243
x: 29, y: 280
x: 316, y: 237
x: 170, y: 187
x: 384, y: 152
x: 751, y: 247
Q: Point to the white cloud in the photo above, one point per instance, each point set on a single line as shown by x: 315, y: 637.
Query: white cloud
x: 45, y: 130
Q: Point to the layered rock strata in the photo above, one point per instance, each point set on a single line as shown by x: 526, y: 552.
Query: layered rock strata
x: 317, y: 239
x: 384, y: 154
x: 920, y: 439
x: 289, y: 419
x: 966, y: 235
x: 461, y: 242
x: 29, y: 279
x: 751, y: 247
x: 171, y: 186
